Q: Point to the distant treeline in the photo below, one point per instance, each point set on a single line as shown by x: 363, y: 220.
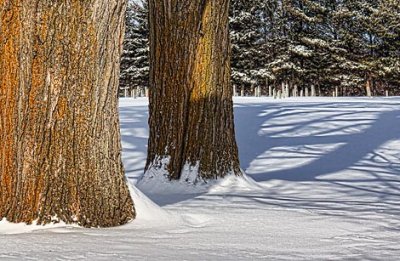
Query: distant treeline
x: 352, y: 46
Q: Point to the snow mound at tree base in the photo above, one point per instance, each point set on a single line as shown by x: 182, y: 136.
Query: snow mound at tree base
x: 233, y: 184
x: 159, y: 183
x: 150, y: 215
x: 146, y: 209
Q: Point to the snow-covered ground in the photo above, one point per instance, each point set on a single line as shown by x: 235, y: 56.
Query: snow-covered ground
x: 324, y: 184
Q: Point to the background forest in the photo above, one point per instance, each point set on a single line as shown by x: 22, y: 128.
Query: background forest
x: 341, y: 48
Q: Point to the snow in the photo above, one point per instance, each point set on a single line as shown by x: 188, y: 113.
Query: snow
x: 147, y: 210
x: 322, y: 183
x: 7, y: 228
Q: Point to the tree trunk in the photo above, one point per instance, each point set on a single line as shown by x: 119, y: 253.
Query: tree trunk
x: 191, y: 111
x: 313, y: 93
x: 60, y: 152
x: 368, y: 86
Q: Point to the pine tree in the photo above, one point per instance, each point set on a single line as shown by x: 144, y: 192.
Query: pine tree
x: 135, y: 57
x: 385, y: 26
x: 246, y: 33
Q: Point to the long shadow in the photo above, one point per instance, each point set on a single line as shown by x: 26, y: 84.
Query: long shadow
x: 356, y: 146
x: 251, y: 143
x: 375, y: 193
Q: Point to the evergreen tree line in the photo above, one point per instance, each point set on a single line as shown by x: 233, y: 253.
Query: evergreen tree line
x: 135, y: 62
x: 323, y: 47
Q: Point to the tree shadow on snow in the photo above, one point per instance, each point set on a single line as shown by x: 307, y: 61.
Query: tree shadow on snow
x: 355, y: 146
x: 358, y: 176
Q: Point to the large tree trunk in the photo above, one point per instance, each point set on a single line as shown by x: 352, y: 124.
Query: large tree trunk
x: 191, y: 111
x: 60, y: 152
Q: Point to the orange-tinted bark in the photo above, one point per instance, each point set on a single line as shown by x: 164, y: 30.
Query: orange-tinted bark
x: 59, y: 133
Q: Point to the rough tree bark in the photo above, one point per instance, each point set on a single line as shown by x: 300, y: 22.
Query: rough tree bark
x: 192, y: 134
x: 59, y: 129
